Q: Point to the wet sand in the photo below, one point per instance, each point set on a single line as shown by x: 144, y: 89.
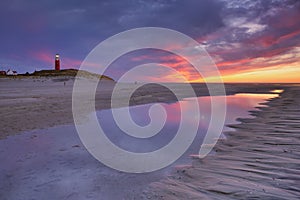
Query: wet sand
x: 36, y: 103
x: 259, y: 160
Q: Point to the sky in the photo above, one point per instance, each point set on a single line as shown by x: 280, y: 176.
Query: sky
x: 249, y: 41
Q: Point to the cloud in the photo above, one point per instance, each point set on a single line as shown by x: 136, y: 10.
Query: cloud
x: 255, y: 30
x: 239, y: 35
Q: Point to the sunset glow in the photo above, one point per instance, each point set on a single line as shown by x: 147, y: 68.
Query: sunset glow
x: 257, y: 41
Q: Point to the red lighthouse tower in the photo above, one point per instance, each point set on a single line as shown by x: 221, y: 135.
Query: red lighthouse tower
x: 57, y: 62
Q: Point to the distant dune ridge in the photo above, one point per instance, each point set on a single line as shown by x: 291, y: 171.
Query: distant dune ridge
x: 62, y: 73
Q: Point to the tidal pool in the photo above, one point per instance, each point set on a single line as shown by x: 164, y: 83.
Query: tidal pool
x: 53, y: 163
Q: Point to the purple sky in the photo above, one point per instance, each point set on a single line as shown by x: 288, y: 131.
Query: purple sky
x: 238, y: 34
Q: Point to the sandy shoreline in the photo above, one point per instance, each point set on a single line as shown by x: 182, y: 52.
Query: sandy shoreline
x: 259, y: 160
x: 36, y: 103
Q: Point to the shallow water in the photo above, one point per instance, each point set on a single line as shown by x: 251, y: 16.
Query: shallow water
x: 53, y: 163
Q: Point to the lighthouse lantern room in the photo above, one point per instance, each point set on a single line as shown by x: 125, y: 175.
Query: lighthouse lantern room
x: 57, y: 62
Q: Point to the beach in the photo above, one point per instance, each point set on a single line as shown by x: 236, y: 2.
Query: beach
x: 258, y: 159
x: 42, y: 102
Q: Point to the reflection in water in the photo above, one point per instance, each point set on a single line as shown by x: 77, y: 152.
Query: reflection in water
x: 53, y: 163
x: 277, y: 91
x: 238, y: 106
x: 257, y: 96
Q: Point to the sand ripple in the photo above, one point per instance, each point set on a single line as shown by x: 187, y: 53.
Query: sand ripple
x: 261, y: 159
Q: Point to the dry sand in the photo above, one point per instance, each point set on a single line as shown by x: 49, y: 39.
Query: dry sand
x: 35, y: 103
x: 259, y: 160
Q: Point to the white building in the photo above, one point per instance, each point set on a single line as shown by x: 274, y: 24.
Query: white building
x: 11, y: 72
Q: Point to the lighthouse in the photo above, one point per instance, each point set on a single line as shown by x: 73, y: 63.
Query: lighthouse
x: 57, y: 62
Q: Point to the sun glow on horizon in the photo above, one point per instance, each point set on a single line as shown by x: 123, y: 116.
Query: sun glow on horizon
x: 290, y: 74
